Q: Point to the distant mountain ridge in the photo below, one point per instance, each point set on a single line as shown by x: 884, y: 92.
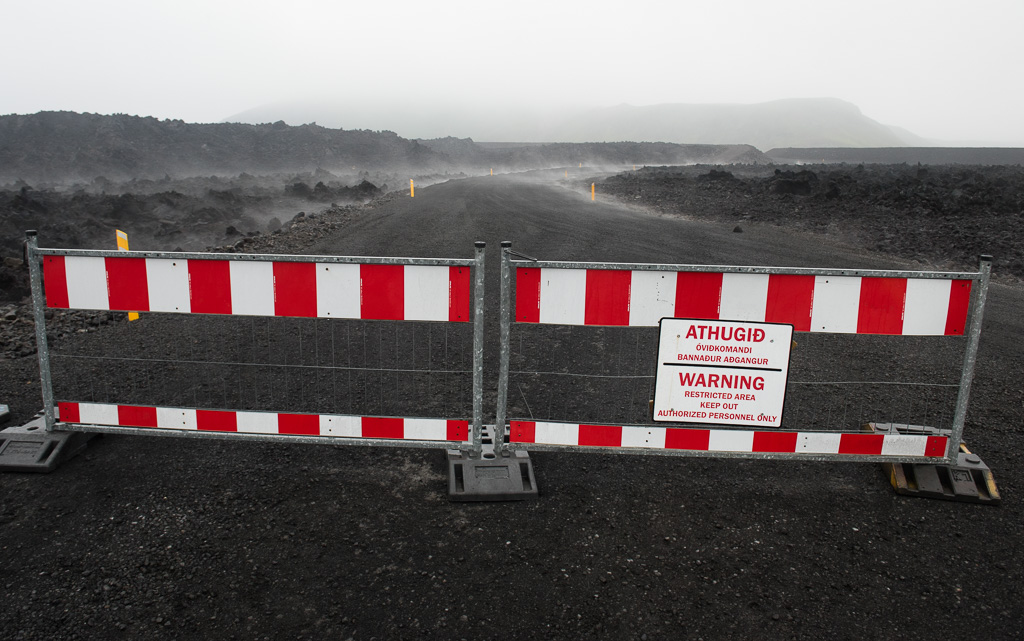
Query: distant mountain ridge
x: 801, y: 122
x: 60, y: 147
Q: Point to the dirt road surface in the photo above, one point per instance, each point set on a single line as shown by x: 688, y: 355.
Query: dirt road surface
x: 176, y: 538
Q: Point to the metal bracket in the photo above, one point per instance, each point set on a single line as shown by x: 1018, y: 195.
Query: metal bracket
x: 969, y: 481
x: 487, y: 476
x: 30, y: 448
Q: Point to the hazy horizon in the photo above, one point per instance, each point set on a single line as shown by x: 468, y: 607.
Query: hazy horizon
x: 941, y: 70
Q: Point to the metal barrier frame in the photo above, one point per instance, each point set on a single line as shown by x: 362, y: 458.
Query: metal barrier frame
x: 35, y: 254
x: 979, y: 294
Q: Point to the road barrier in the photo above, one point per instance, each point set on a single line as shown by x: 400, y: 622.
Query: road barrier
x: 925, y: 308
x: 726, y: 375
x: 318, y: 289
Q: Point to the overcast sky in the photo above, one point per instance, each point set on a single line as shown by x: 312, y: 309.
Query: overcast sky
x: 942, y: 69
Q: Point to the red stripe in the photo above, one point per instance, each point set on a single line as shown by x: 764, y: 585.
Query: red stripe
x: 774, y: 441
x: 68, y: 413
x: 522, y: 431
x: 959, y: 302
x: 55, y: 278
x: 383, y: 427
x: 881, y: 305
x: 301, y: 424
x: 131, y: 415
x: 527, y: 295
x: 458, y: 431
x: 209, y: 284
x: 382, y: 292
x: 861, y: 443
x: 607, y: 297
x: 936, y: 446
x: 789, y: 300
x: 681, y: 439
x: 458, y: 294
x: 601, y: 435
x: 216, y: 421
x: 698, y: 295
x: 295, y: 289
x: 127, y: 286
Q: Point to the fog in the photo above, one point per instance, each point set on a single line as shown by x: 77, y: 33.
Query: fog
x: 943, y: 70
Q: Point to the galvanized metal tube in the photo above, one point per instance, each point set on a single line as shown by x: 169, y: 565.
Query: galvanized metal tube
x: 503, y: 348
x: 290, y: 258
x: 39, y: 316
x: 478, y: 347
x: 970, y: 358
x: 733, y: 269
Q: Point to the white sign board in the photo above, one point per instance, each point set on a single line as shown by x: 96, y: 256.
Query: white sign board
x: 722, y: 372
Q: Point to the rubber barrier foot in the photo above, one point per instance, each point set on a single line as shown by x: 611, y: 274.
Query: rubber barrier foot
x: 969, y: 481
x: 30, y: 448
x: 479, y: 477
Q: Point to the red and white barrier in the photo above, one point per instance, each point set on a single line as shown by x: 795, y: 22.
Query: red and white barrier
x: 728, y: 440
x: 265, y: 423
x: 259, y: 288
x: 833, y: 304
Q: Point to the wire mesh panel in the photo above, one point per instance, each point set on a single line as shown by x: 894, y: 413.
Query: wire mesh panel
x: 893, y: 348
x: 374, y: 350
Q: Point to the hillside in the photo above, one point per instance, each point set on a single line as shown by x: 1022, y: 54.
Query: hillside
x: 62, y: 146
x: 892, y: 155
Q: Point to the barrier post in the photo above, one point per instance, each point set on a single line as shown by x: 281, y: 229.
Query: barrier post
x: 478, y: 346
x: 503, y: 363
x: 38, y: 315
x: 970, y: 358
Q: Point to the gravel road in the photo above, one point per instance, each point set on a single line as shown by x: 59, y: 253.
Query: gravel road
x: 177, y: 538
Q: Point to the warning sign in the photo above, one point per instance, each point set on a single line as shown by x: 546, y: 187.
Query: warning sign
x: 724, y: 372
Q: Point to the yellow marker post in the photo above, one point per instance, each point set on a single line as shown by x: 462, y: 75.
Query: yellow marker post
x: 492, y: 171
x: 566, y: 173
x: 412, y: 189
x: 581, y: 165
x: 591, y: 191
x: 122, y: 245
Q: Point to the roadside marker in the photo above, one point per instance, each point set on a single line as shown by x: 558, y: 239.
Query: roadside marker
x: 412, y: 189
x: 591, y: 191
x: 122, y: 245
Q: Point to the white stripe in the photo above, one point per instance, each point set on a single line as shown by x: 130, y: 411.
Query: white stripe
x: 649, y: 437
x: 730, y: 441
x: 425, y: 429
x: 427, y: 292
x: 97, y: 414
x: 351, y: 426
x: 557, y: 433
x: 904, y: 445
x: 836, y: 304
x: 174, y: 418
x: 256, y: 422
x: 818, y: 443
x: 168, y: 285
x: 926, y: 306
x: 744, y: 297
x: 652, y: 296
x: 337, y: 290
x: 252, y: 288
x: 563, y: 296
x: 87, y: 282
